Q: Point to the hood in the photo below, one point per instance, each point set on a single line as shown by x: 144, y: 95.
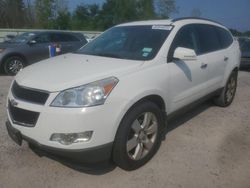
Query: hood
x: 72, y: 70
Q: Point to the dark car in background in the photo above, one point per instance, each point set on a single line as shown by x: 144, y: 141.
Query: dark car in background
x: 31, y: 47
x: 245, y: 53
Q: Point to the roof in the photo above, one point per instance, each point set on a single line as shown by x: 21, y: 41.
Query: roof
x: 172, y: 21
x: 148, y: 22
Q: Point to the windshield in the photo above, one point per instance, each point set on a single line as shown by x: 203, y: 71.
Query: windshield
x: 25, y: 37
x: 129, y: 42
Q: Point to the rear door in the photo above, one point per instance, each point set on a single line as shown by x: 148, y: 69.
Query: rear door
x: 188, y: 78
x: 66, y: 41
x: 213, y: 53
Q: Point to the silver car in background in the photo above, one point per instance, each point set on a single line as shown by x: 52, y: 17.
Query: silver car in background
x: 32, y: 47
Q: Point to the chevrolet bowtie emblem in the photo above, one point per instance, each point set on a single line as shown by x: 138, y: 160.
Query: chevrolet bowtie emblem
x: 13, y: 102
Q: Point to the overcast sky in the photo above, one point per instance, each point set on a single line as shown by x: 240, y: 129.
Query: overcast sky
x: 232, y: 13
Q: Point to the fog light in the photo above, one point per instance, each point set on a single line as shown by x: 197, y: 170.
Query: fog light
x: 67, y: 139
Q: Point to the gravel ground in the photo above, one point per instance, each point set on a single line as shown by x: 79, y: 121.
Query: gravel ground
x: 206, y: 147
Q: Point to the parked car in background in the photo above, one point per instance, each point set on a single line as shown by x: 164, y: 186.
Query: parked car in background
x: 32, y: 47
x: 89, y: 39
x: 9, y: 37
x: 245, y: 53
x: 111, y: 98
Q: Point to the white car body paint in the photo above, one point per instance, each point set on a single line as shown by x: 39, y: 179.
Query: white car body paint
x: 178, y: 84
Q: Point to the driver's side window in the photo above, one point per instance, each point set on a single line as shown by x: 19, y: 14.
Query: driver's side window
x: 186, y: 38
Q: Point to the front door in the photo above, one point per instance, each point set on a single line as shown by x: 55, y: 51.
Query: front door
x: 39, y: 50
x: 188, y: 78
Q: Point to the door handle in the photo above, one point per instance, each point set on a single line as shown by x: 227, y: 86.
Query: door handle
x: 226, y: 58
x: 203, y: 65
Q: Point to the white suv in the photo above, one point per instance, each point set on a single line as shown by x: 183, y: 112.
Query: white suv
x: 110, y: 99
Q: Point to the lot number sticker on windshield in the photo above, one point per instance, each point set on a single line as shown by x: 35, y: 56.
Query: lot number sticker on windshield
x: 162, y: 27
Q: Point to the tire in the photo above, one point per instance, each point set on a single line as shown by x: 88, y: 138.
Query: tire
x: 139, y: 136
x: 227, y: 95
x: 13, y: 65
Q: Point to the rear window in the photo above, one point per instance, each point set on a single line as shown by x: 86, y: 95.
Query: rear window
x: 225, y: 37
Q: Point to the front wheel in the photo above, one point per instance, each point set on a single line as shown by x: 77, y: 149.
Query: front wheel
x: 227, y: 95
x: 139, y: 136
x: 13, y: 65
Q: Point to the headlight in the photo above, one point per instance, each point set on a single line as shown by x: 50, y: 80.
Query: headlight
x: 1, y: 50
x: 92, y: 94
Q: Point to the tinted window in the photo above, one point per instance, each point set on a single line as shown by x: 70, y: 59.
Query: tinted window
x: 43, y: 38
x: 208, y: 38
x: 81, y: 37
x: 25, y: 37
x: 63, y: 37
x: 70, y: 38
x: 186, y: 38
x: 224, y: 37
x: 129, y: 42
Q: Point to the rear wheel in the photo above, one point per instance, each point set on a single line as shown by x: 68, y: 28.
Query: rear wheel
x: 13, y: 65
x: 139, y: 136
x: 227, y: 95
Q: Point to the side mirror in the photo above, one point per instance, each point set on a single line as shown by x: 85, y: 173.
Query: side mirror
x: 32, y: 42
x: 184, y: 54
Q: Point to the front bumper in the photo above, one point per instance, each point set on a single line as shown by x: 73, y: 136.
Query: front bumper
x: 102, y: 120
x: 92, y: 155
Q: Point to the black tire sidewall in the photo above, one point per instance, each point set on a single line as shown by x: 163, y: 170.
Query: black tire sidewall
x: 233, y: 74
x: 120, y: 156
x: 6, y: 62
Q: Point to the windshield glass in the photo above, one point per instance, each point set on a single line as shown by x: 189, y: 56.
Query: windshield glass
x: 129, y: 42
x: 25, y: 37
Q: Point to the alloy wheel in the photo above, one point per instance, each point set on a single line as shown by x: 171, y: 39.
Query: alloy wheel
x: 142, y: 136
x: 230, y: 90
x: 14, y: 66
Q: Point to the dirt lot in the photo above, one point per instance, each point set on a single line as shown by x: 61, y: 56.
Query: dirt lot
x: 207, y: 147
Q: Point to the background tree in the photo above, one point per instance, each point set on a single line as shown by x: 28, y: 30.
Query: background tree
x: 29, y: 14
x: 12, y: 13
x: 145, y: 9
x: 45, y: 13
x: 165, y: 7
x: 54, y: 14
x: 80, y: 19
x: 62, y: 16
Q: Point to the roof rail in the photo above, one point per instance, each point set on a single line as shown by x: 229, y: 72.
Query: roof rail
x: 196, y: 18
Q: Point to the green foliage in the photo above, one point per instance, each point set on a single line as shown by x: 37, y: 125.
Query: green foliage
x: 54, y: 14
x: 63, y: 20
x: 12, y: 13
x: 238, y: 33
x: 44, y: 13
x: 235, y: 32
x: 166, y: 7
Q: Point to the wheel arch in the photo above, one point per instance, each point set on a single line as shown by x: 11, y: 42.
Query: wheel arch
x: 12, y: 55
x: 228, y: 73
x: 154, y: 98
